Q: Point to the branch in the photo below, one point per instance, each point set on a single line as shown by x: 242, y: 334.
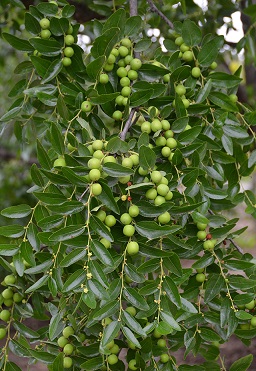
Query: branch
x: 154, y: 9
x: 128, y: 124
x: 133, y: 8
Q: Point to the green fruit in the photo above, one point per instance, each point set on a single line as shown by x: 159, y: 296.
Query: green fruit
x: 208, y: 245
x: 96, y: 189
x: 59, y: 162
x: 134, y: 211
x: 70, y: 30
x: 121, y: 63
x: 214, y: 65
x: 169, y: 196
x: 165, y: 125
x: 82, y: 337
x: 142, y: 171
x: 125, y: 101
x: 135, y: 159
x: 156, y: 176
x: 156, y: 334
x: 8, y: 302
x: 69, y: 39
x: 68, y: 51
x: 112, y: 359
x: 233, y: 98
x: 125, y: 81
x: 10, y: 279
x: 123, y: 51
x: 164, y: 218
x: 188, y: 56
x: 5, y: 315
x: 135, y: 64
x: 7, y: 293
x: 68, y: 331
x: 160, y: 141
x: 126, y: 91
x: 132, y: 248
x: 114, y: 349
x: 98, y: 154
x: 110, y: 220
x: 169, y: 134
x: 128, y: 59
x: 200, y: 277
x: 111, y: 59
x: 68, y: 349
x: 196, y: 72
x: 66, y: 61
x: 108, y: 159
x: 121, y: 72
x: 126, y: 42
x: 125, y: 219
x: 132, y: 364
x: 156, y: 125
x: 131, y: 310
x: 186, y: 102
x: 2, y: 333
x: 146, y: 127
x: 153, y: 111
x: 180, y: 90
x: 67, y: 362
x: 127, y: 162
x: 104, y: 79
x: 201, y: 235
x: 17, y: 298
x: 179, y: 41
x: 44, y: 23
x: 108, y: 67
x: 62, y: 341
x: 119, y: 100
x: 133, y: 75
x: 166, y: 78
x: 253, y: 321
x: 115, y: 52
x: 97, y: 144
x: 94, y: 163
x: 117, y: 115
x: 105, y: 242
x: 161, y: 343
x: 162, y: 189
x: 45, y: 34
x: 101, y: 214
x: 94, y: 175
x: 184, y: 47
x: 250, y: 305
x: 171, y: 143
x: 201, y: 226
x: 131, y: 345
x: 164, y: 358
x: 124, y: 179
x: 159, y: 200
x: 151, y: 193
x: 166, y: 151
x: 129, y: 230
x: 200, y: 270
x: 86, y: 106
x: 106, y: 321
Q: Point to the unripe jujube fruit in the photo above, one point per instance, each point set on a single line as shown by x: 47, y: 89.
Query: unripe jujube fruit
x: 112, y: 359
x: 67, y: 362
x: 44, y: 23
x: 68, y: 331
x: 132, y: 248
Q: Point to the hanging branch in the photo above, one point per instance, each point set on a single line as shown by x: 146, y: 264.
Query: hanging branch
x: 128, y: 124
x: 133, y: 8
x: 154, y: 9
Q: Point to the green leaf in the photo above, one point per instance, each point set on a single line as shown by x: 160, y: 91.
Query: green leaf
x: 31, y: 24
x: 8, y: 250
x: 130, y: 336
x: 110, y: 332
x: 140, y: 97
x: 191, y: 33
x: 74, y: 280
x: 116, y: 145
x: 133, y: 25
x: 171, y: 291
x: 235, y: 131
x: 50, y: 47
x: 94, y: 68
x: 11, y: 114
x: 67, y: 233
x: 98, y: 289
x: 89, y: 299
x: 18, y: 43
x: 215, y: 284
x: 62, y: 108
x: 188, y: 136
x: 73, y: 257
x: 39, y: 283
x: 117, y: 19
x: 106, y: 310
x: 44, y: 357
x: 43, y: 157
x: 36, y: 176
x: 59, y: 26
x: 203, y: 93
x: 132, y: 272
x: 133, y: 297
x: 19, y: 211
x: 56, y: 326
x: 103, y: 44
x: 244, y: 316
x: 222, y: 100
x: 252, y: 159
x: 68, y: 11
x: 132, y: 323
x: 97, y: 225
x: 100, y: 251
x: 39, y: 268
x: 93, y: 364
x: 52, y: 71
x: 10, y: 366
x: 116, y: 170
x: 147, y: 157
x: 241, y: 283
x: 57, y: 139
x: 142, y: 45
x: 13, y: 231
x: 167, y: 317
x: 152, y: 230
x: 47, y: 9
x: 242, y: 364
x: 209, y: 51
x: 224, y: 80
x: 199, y: 218
x: 107, y: 198
x: 209, y: 335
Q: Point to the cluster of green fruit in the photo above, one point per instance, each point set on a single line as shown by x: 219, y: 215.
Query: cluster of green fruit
x: 7, y: 298
x: 67, y: 347
x: 203, y: 235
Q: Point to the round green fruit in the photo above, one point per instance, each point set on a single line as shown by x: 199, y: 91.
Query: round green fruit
x: 108, y: 67
x: 188, y: 56
x: 166, y: 151
x: 69, y: 40
x: 151, y: 194
x: 161, y: 343
x: 108, y: 159
x: 68, y: 52
x: 201, y: 235
x: 97, y: 145
x: 62, y: 341
x: 179, y: 41
x: 96, y: 189
x: 201, y: 226
x: 7, y: 293
x: 142, y: 171
x: 208, y: 245
x: 169, y: 134
x: 157, y: 334
x: 184, y: 48
x: 233, y: 98
x: 125, y: 219
x: 17, y: 298
x: 98, y: 154
x: 70, y: 30
x: 156, y: 125
x: 2, y: 333
x: 129, y: 230
x: 135, y: 64
x: 127, y: 162
x: 10, y: 279
x: 121, y: 72
x: 196, y: 72
x: 160, y: 141
x: 146, y: 127
x: 44, y: 23
x: 164, y: 358
x: 159, y: 200
x: 124, y: 179
x: 111, y: 59
x: 68, y: 349
x: 86, y: 106
x: 110, y: 221
x: 169, y: 196
x: 68, y: 331
x: 131, y: 310
x: 162, y: 189
x: 45, y: 34
x: 94, y: 163
x: 104, y: 79
x: 165, y: 125
x: 125, y: 81
x: 164, y: 218
x: 135, y: 159
x: 66, y: 61
x: 250, y: 305
x: 112, y: 359
x: 106, y: 321
x: 67, y: 362
x: 186, y: 102
x: 156, y: 176
x: 128, y: 59
x: 153, y: 111
x: 253, y: 321
x: 132, y: 364
x: 200, y: 277
x: 171, y: 143
x: 132, y: 248
x: 133, y: 75
x: 166, y: 78
x: 214, y: 65
x: 126, y: 91
x: 114, y: 349
x: 180, y: 90
x: 5, y: 315
x: 94, y: 175
x: 126, y: 42
x: 105, y: 242
x: 121, y: 63
x: 115, y: 52
x: 134, y: 211
x: 101, y: 214
x: 8, y: 302
x: 123, y: 51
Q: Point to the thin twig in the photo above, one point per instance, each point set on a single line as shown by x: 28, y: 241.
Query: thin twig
x: 154, y: 9
x: 133, y: 8
x: 128, y: 124
x: 230, y: 239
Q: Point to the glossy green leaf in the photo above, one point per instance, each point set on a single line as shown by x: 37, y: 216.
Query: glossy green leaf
x: 242, y: 364
x: 20, y: 211
x: 107, y: 198
x: 171, y: 290
x: 13, y: 231
x: 101, y: 229
x: 133, y: 25
x: 204, y: 92
x: 130, y: 336
x: 39, y: 283
x: 167, y: 317
x: 103, y: 44
x: 147, y: 157
x: 110, y: 332
x: 100, y: 251
x: 131, y: 322
x: 209, y: 51
x: 107, y: 310
x: 191, y: 33
x: 59, y: 26
x: 215, y: 284
x: 133, y: 297
x: 52, y: 71
x: 67, y: 233
x: 50, y: 48
x: 152, y: 230
x: 18, y: 43
x: 8, y: 249
x: 140, y: 97
x: 93, y: 364
x: 32, y: 24
x: 94, y: 68
x: 73, y: 257
x: 116, y: 170
x: 74, y: 280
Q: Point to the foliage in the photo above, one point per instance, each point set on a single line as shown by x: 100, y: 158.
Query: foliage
x: 132, y: 176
